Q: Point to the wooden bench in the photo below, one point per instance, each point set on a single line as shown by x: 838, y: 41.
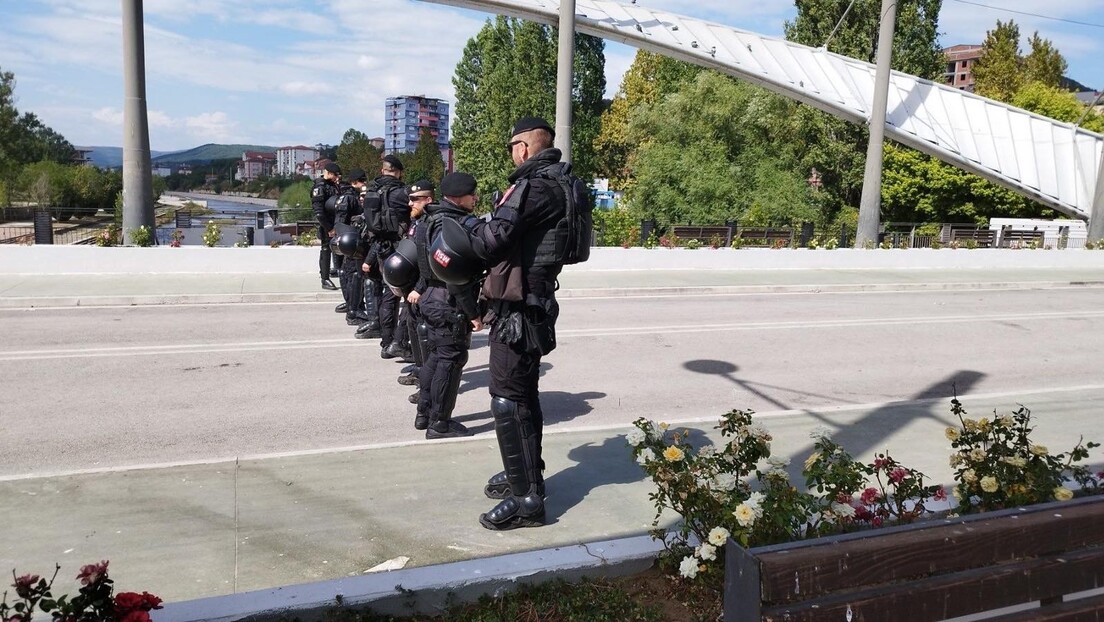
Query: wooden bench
x: 765, y: 237
x: 705, y: 235
x: 984, y: 238
x: 1011, y: 238
x: 928, y: 571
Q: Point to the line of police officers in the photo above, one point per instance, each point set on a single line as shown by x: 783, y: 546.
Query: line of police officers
x: 455, y: 272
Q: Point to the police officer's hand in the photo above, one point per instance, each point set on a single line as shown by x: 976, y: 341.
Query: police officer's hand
x: 331, y: 233
x: 413, y: 298
x: 365, y: 267
x: 477, y: 324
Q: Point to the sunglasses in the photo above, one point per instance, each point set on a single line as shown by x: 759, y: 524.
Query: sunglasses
x: 510, y: 145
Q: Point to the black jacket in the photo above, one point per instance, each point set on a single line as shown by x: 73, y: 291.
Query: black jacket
x: 463, y: 298
x: 511, y: 236
x: 395, y: 217
x: 321, y: 192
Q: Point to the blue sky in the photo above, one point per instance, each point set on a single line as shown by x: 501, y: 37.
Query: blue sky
x: 280, y: 72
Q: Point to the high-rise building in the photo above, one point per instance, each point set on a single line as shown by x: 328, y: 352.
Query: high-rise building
x: 404, y: 117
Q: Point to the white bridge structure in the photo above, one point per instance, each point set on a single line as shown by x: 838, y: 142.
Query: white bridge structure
x: 1054, y: 163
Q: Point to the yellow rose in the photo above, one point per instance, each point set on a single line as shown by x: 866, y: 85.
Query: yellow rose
x: 673, y: 454
x: 956, y: 460
x: 983, y: 424
x: 989, y: 484
x: 1063, y: 494
x: 663, y: 426
x: 969, y: 425
x: 811, y: 460
x: 1039, y: 450
x: 951, y: 433
x: 969, y: 476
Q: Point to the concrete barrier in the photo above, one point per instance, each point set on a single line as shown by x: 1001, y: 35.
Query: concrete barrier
x: 30, y: 260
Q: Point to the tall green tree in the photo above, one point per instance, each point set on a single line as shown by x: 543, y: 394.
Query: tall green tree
x: 508, y: 71
x: 650, y: 77
x: 1044, y: 63
x: 356, y: 151
x: 24, y: 139
x: 998, y: 72
x: 707, y: 155
x: 425, y: 161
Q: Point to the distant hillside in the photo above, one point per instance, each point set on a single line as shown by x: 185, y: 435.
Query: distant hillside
x: 208, y: 152
x: 112, y: 157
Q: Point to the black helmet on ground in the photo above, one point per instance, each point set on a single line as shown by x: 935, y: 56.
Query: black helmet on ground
x: 400, y: 269
x: 451, y: 256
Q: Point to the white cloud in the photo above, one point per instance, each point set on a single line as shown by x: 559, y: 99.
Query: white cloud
x: 110, y: 116
x: 215, y: 127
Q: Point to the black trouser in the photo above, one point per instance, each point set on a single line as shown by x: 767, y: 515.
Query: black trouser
x: 388, y: 315
x: 402, y: 326
x: 324, y: 253
x: 449, y: 340
x: 352, y: 288
x: 515, y: 376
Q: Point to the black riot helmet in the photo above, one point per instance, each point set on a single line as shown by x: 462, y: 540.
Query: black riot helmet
x: 346, y: 241
x: 451, y: 255
x: 400, y: 269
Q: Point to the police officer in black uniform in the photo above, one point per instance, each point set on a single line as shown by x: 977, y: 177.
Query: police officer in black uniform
x: 520, y: 290
x: 388, y: 219
x: 323, y: 198
x: 451, y: 312
x: 419, y: 196
x: 347, y: 216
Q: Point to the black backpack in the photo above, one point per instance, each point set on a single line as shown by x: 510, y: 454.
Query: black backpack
x: 574, y: 233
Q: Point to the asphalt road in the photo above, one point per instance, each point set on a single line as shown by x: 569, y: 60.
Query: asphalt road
x: 101, y: 388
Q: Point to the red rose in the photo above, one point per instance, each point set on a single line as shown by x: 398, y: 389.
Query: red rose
x: 940, y: 495
x: 24, y: 585
x: 135, y: 616
x: 92, y: 572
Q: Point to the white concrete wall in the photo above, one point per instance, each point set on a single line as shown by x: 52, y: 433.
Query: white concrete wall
x: 294, y: 259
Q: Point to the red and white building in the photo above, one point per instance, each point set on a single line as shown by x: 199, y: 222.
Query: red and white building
x: 960, y: 66
x: 255, y: 164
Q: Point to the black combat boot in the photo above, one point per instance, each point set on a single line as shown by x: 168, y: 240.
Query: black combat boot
x: 520, y: 446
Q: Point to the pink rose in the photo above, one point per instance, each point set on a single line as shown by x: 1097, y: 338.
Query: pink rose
x: 877, y: 521
x: 24, y: 586
x: 869, y: 496
x: 940, y: 495
x: 897, y: 475
x: 92, y: 573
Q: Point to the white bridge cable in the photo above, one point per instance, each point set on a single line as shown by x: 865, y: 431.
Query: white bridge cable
x: 1048, y: 161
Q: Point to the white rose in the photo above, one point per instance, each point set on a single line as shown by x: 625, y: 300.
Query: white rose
x: 707, y: 552
x: 636, y: 436
x: 646, y: 455
x: 718, y: 536
x: 689, y: 567
x: 745, y: 515
x: 843, y: 510
x: 725, y: 481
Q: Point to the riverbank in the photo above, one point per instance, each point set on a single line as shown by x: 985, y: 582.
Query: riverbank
x: 225, y: 198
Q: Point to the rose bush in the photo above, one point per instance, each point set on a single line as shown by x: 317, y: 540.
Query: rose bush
x: 737, y: 489
x: 95, y: 602
x: 711, y: 489
x: 997, y: 465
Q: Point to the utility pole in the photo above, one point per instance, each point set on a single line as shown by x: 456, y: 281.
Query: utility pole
x: 137, y: 183
x: 871, y: 204
x: 1096, y: 216
x: 565, y: 77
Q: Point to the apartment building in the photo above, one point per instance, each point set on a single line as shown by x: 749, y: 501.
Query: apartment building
x: 289, y: 160
x: 960, y: 66
x: 255, y: 164
x: 405, y: 116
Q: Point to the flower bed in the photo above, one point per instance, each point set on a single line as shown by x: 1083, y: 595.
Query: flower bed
x: 737, y: 489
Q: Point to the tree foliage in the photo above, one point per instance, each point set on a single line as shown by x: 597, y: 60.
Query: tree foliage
x: 356, y: 151
x: 710, y: 153
x: 508, y: 70
x: 1057, y: 104
x: 998, y: 72
x: 650, y: 77
x: 1044, y: 64
x: 425, y: 161
x: 24, y: 139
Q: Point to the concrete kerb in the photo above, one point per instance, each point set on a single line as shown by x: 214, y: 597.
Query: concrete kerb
x: 428, y: 589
